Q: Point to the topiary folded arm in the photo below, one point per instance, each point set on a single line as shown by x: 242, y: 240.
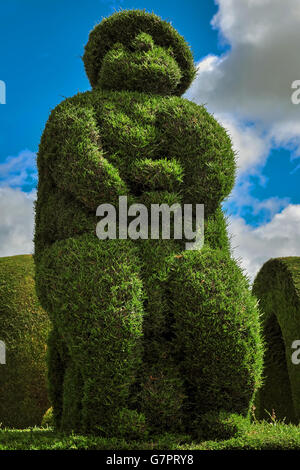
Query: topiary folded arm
x: 78, y: 165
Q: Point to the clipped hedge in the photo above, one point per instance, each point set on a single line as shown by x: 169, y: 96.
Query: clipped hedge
x: 146, y: 337
x: 216, y: 338
x: 24, y: 327
x: 123, y: 28
x: 92, y: 291
x: 277, y: 286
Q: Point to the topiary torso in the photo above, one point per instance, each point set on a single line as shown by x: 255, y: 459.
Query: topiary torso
x: 127, y: 128
x: 136, y: 323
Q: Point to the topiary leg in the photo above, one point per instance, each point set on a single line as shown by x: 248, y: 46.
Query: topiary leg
x: 217, y: 335
x: 94, y: 294
x: 161, y: 395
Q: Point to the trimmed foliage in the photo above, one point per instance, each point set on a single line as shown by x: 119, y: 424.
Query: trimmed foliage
x: 141, y: 40
x: 140, y: 327
x: 93, y: 294
x: 277, y: 286
x: 217, y: 340
x: 24, y: 327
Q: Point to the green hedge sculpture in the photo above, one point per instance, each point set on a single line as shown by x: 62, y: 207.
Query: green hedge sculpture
x: 24, y: 327
x: 147, y: 337
x: 277, y: 286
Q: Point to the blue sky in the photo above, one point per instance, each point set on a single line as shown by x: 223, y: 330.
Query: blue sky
x: 245, y: 69
x: 41, y: 45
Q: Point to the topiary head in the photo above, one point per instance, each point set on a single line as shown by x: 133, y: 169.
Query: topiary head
x: 137, y: 51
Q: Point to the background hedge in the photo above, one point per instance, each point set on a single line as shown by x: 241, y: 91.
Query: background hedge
x: 24, y: 327
x: 277, y: 286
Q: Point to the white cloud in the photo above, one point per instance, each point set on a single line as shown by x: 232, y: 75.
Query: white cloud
x: 251, y: 146
x: 253, y: 79
x: 17, y: 222
x: 255, y: 21
x: 254, y: 246
x: 19, y: 171
x: 249, y: 89
x: 16, y: 206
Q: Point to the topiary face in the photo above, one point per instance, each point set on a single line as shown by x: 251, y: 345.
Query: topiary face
x: 136, y: 50
x: 142, y: 66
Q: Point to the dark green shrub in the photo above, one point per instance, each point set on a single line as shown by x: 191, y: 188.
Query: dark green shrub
x: 24, y: 327
x: 130, y: 424
x: 220, y: 426
x: 135, y: 334
x: 277, y: 286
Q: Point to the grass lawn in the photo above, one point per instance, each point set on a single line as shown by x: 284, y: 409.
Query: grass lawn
x: 258, y: 436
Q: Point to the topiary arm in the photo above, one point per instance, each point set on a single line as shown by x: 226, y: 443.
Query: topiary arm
x: 72, y: 155
x: 162, y: 174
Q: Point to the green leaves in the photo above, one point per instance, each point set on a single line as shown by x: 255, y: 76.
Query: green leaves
x: 160, y: 174
x: 276, y: 288
x: 143, y: 42
x: 143, y: 32
x: 24, y: 328
x: 148, y: 69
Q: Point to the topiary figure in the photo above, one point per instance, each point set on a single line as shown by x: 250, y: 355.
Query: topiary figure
x: 24, y: 327
x: 145, y: 335
x: 277, y: 286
